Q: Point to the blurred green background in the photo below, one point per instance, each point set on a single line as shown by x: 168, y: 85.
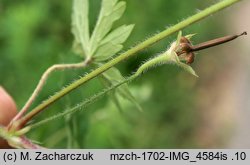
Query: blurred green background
x: 178, y: 108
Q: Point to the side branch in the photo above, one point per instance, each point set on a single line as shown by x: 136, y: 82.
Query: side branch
x: 43, y: 80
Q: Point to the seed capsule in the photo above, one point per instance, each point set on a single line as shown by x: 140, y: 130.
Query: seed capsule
x: 187, y: 47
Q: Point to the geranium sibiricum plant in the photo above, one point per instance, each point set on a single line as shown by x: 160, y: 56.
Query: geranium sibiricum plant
x: 100, y: 48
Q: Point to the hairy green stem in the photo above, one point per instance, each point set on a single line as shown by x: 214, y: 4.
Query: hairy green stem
x: 201, y: 15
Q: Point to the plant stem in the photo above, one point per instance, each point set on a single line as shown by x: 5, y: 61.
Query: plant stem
x: 201, y: 15
x: 42, y: 82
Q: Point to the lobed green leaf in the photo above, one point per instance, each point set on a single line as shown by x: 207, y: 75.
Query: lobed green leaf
x: 80, y: 27
x: 110, y: 13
